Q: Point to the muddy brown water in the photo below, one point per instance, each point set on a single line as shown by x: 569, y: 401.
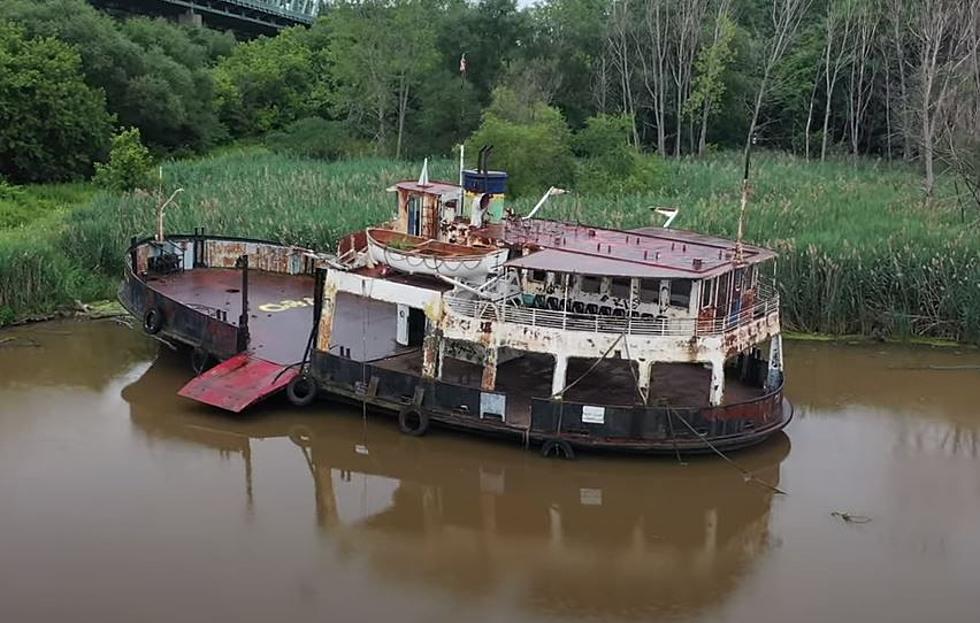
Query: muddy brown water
x: 121, y: 502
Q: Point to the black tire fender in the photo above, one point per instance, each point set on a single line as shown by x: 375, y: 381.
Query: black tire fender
x: 153, y: 320
x: 200, y: 360
x: 413, y: 421
x: 302, y: 390
x: 557, y: 448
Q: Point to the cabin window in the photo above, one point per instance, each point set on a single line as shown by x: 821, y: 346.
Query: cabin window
x: 540, y: 276
x: 590, y: 285
x: 415, y: 215
x: 620, y: 288
x: 680, y: 293
x: 649, y: 291
x: 707, y: 291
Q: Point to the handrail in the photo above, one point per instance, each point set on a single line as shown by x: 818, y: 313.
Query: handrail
x: 598, y: 323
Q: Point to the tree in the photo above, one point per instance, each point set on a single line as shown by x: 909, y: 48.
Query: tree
x: 268, y: 83
x: 837, y: 53
x: 573, y: 31
x: 711, y: 64
x: 786, y: 16
x: 946, y: 35
x: 378, y: 54
x: 129, y: 165
x: 606, y: 160
x: 155, y: 74
x: 52, y: 125
x: 532, y: 144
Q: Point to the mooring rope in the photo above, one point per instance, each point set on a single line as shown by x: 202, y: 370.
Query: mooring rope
x: 591, y: 368
x: 745, y: 473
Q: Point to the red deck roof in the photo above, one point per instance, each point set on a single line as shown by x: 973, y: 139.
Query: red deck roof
x: 650, y: 252
x: 432, y: 188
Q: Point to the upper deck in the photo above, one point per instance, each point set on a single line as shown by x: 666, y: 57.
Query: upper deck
x: 652, y: 252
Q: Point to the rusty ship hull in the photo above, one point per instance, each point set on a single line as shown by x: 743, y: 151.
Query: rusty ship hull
x: 261, y: 322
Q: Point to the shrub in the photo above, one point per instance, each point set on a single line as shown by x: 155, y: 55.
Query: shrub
x: 129, y: 164
x: 608, y: 164
x: 532, y: 144
x: 314, y: 137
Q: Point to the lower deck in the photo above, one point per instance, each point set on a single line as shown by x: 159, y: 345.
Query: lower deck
x: 609, y: 382
x: 280, y: 306
x: 281, y: 318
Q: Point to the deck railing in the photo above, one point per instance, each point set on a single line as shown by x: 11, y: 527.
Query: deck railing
x: 767, y: 303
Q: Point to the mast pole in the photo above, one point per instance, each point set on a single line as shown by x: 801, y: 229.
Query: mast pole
x: 739, y: 249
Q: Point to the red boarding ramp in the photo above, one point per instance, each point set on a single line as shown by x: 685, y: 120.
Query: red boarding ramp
x: 238, y: 383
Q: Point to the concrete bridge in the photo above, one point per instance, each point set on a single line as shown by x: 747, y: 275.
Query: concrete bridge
x: 245, y: 17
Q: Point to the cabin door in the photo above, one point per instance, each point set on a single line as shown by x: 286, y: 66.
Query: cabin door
x: 415, y: 215
x: 416, y: 327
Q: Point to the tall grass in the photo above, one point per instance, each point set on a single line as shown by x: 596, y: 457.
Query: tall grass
x: 858, y: 252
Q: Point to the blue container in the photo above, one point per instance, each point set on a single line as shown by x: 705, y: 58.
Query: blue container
x: 494, y: 182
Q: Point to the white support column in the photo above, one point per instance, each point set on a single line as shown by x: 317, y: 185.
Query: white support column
x: 431, y: 352
x: 401, y: 328
x: 664, y: 296
x: 326, y: 316
x: 489, y: 381
x: 644, y: 374
x: 695, y: 305
x: 775, y: 362
x: 558, y: 378
x: 717, y: 393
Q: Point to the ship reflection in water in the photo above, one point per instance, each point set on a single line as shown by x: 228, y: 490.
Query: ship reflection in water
x: 598, y: 537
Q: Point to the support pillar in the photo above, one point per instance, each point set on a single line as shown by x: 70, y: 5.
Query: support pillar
x: 243, y: 335
x: 326, y: 316
x: 489, y: 382
x: 717, y: 394
x: 190, y: 18
x: 775, y: 375
x: 644, y: 374
x: 663, y: 297
x: 432, y: 352
x: 558, y: 378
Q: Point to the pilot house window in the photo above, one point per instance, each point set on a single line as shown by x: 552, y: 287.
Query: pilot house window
x: 649, y: 291
x: 590, y: 285
x: 620, y: 288
x: 680, y: 293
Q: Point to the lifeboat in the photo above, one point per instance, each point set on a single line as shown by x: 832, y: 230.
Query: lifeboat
x: 415, y: 254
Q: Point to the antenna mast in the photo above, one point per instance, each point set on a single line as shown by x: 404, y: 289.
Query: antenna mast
x: 739, y: 250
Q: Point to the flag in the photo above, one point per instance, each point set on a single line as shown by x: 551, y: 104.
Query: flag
x: 462, y: 64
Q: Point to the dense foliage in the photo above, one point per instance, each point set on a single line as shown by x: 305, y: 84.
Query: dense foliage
x: 129, y: 165
x: 52, y: 125
x: 412, y: 77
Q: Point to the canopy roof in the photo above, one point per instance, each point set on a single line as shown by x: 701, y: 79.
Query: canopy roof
x: 432, y: 188
x: 647, y: 253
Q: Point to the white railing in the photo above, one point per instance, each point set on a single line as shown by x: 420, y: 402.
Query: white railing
x: 600, y: 323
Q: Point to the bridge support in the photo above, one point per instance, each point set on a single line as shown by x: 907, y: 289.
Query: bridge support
x: 190, y: 18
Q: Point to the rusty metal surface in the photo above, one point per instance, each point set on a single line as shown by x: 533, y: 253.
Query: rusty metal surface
x: 432, y: 188
x: 627, y: 427
x: 238, y: 382
x: 221, y: 253
x: 651, y: 253
x: 194, y: 327
x: 280, y: 305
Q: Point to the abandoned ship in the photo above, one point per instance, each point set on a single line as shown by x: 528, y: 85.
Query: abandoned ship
x: 460, y: 313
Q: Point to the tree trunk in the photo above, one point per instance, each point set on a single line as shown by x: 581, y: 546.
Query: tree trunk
x: 809, y: 119
x: 402, y: 111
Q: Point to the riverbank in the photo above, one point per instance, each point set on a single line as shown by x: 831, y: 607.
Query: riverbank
x: 859, y: 254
